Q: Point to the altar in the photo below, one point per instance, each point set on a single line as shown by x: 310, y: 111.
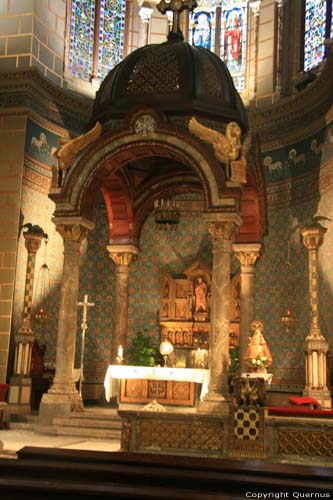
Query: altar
x: 142, y: 384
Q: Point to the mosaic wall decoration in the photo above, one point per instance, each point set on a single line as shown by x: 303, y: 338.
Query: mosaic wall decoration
x: 41, y: 144
x: 295, y: 193
x: 246, y: 423
x: 314, y: 33
x: 233, y: 39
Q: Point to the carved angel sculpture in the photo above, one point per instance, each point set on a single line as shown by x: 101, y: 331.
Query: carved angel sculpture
x: 67, y: 153
x: 227, y: 148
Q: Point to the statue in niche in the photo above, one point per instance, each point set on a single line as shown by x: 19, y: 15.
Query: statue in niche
x: 200, y: 295
x: 166, y: 290
x: 258, y: 356
x: 166, y: 310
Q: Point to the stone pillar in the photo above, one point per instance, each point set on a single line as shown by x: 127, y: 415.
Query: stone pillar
x: 62, y: 397
x: 247, y: 254
x: 222, y: 228
x: 279, y: 4
x: 218, y: 13
x: 20, y: 383
x: 316, y: 347
x: 145, y: 15
x: 122, y: 256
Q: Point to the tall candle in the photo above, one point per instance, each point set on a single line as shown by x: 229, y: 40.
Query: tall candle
x: 120, y: 351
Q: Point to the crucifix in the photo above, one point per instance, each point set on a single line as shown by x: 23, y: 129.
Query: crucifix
x: 176, y: 7
x: 84, y: 326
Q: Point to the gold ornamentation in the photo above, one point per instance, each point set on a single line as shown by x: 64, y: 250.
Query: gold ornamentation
x: 313, y: 236
x: 247, y: 258
x: 313, y: 443
x: 67, y: 153
x: 122, y: 258
x: 227, y: 148
x: 223, y: 230
x: 153, y: 406
x: 72, y: 232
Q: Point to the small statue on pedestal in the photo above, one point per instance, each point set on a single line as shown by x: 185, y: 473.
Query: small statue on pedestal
x: 258, y: 356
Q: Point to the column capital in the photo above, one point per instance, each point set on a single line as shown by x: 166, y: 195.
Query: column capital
x: 73, y: 228
x: 247, y: 253
x: 145, y: 14
x: 122, y: 255
x: 313, y: 236
x: 255, y: 7
x: 280, y: 3
x: 223, y: 226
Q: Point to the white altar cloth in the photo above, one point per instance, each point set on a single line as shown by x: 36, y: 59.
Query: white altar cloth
x: 115, y: 372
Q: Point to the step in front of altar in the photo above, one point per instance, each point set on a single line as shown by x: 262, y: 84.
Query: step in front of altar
x: 105, y: 424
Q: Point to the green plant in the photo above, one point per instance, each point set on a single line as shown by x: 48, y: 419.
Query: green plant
x: 143, y: 351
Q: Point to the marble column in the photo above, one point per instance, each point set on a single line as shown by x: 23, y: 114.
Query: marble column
x: 62, y: 397
x: 218, y: 11
x: 316, y: 347
x: 122, y: 256
x: 247, y: 254
x: 145, y: 15
x: 223, y: 229
x: 278, y: 86
x: 20, y: 382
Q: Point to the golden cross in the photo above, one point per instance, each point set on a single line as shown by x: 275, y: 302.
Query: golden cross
x: 176, y: 6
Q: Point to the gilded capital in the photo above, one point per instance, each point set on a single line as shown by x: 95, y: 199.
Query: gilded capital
x: 72, y: 232
x: 313, y: 236
x: 247, y: 253
x: 123, y: 255
x: 247, y: 258
x: 226, y: 230
x: 122, y: 258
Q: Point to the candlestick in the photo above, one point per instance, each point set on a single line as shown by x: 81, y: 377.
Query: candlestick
x: 120, y: 357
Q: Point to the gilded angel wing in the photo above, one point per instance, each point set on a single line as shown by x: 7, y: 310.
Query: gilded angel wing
x: 245, y: 147
x: 66, y: 154
x: 219, y: 142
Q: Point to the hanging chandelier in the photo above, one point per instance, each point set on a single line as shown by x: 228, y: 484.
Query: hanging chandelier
x: 166, y: 214
x: 43, y: 315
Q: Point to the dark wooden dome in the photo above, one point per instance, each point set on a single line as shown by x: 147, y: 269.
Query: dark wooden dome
x: 174, y: 78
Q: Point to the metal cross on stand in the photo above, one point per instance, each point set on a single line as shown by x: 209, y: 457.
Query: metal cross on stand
x: 84, y: 326
x: 176, y: 6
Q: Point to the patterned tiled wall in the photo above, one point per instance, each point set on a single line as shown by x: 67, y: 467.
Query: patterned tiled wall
x: 298, y: 186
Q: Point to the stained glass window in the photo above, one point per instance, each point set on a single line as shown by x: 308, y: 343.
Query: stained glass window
x: 315, y: 33
x: 110, y: 37
x: 82, y: 38
x: 233, y: 39
x: 202, y: 25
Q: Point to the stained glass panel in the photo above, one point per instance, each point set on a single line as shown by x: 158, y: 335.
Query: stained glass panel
x: 315, y: 27
x: 111, y: 35
x: 81, y: 38
x: 202, y: 25
x: 233, y: 39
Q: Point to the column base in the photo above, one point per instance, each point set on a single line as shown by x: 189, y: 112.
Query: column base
x: 322, y: 396
x: 214, y: 403
x: 55, y: 405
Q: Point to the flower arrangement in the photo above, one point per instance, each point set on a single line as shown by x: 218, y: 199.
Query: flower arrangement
x: 259, y: 362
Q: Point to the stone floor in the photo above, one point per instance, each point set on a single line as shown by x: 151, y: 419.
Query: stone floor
x: 14, y: 440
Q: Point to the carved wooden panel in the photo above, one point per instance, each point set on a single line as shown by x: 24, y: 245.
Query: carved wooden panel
x: 165, y: 392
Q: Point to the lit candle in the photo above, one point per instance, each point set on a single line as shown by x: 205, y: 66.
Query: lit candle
x: 120, y: 351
